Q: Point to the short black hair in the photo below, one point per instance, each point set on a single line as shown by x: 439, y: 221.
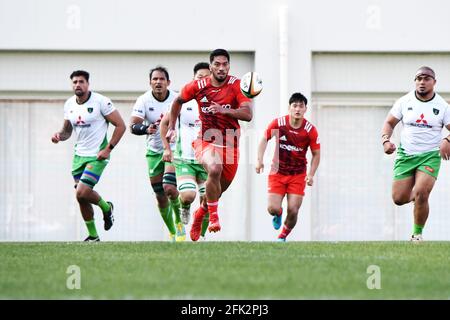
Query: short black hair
x: 219, y: 52
x: 80, y: 73
x: 298, y: 97
x: 160, y: 69
x: 200, y: 66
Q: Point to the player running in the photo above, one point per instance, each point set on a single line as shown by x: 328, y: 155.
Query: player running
x: 221, y: 104
x: 189, y: 172
x: 423, y: 113
x: 151, y: 107
x: 89, y: 113
x: 288, y: 175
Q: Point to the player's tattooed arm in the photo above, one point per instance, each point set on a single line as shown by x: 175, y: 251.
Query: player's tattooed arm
x: 66, y: 131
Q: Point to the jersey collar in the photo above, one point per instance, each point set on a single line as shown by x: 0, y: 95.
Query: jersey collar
x: 434, y: 95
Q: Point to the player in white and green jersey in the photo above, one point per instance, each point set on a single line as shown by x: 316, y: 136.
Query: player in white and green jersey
x: 89, y: 113
x: 147, y: 113
x: 190, y: 174
x: 423, y: 114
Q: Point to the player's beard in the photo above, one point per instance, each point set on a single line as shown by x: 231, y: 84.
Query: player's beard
x: 423, y: 93
x: 79, y: 93
x: 222, y: 79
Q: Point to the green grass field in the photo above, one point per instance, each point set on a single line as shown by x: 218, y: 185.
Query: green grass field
x: 225, y: 270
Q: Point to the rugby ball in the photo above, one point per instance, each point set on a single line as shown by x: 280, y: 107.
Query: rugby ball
x: 251, y: 84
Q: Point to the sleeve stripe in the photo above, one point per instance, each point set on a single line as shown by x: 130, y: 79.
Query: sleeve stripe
x: 201, y: 83
x: 308, y: 126
x: 281, y: 121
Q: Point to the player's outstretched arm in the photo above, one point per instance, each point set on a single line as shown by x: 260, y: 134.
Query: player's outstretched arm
x: 116, y: 120
x: 386, y: 133
x: 260, y: 158
x: 64, y: 133
x: 315, y: 160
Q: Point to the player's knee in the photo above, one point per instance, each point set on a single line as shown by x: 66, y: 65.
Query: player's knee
x: 273, y: 209
x: 421, y: 195
x: 82, y: 194
x: 187, y: 197
x: 400, y: 199
x: 170, y: 190
x: 170, y: 184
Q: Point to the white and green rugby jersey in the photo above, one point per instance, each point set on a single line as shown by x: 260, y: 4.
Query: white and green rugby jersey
x: 188, y: 129
x: 422, y: 122
x: 147, y: 107
x: 88, y: 121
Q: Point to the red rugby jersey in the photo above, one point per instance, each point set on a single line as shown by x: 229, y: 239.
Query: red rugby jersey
x: 217, y: 128
x: 291, y: 145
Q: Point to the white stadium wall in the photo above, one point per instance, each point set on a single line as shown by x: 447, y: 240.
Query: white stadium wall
x: 352, y: 59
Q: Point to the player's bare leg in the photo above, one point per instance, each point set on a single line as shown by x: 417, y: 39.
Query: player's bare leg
x: 86, y: 196
x: 402, y: 191
x: 275, y: 208
x: 294, y: 202
x: 422, y: 189
x: 212, y: 163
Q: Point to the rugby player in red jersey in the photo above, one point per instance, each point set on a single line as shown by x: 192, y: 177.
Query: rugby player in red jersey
x: 221, y: 104
x: 288, y: 174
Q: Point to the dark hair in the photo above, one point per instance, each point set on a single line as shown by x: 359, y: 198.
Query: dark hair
x: 80, y: 73
x: 161, y: 69
x: 200, y: 66
x: 219, y: 52
x: 298, y: 97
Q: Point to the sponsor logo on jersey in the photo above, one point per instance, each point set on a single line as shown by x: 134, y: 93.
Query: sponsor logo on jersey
x: 151, y: 109
x: 189, y: 109
x: 204, y: 99
x: 283, y: 138
x: 435, y: 111
x: 422, y: 119
x: 289, y: 147
x: 410, y: 108
x: 421, y: 123
x: 80, y: 123
x: 208, y: 110
x: 137, y: 110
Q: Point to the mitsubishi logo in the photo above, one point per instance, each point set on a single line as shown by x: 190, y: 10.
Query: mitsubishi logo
x: 422, y: 120
x: 79, y: 121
